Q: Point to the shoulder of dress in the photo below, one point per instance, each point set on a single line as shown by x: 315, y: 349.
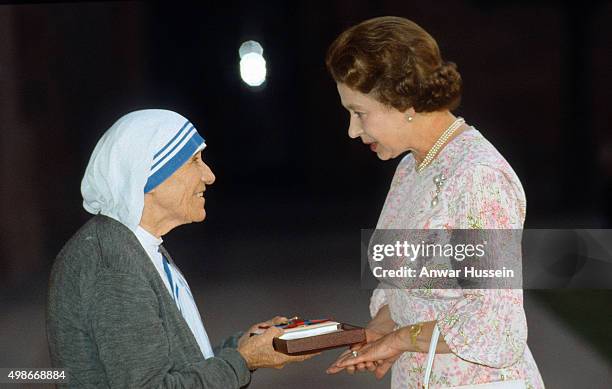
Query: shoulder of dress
x: 484, y: 172
x: 405, y: 166
x: 407, y: 162
x: 476, y: 155
x: 490, y: 175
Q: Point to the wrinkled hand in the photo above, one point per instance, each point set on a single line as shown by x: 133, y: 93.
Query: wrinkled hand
x: 377, y: 355
x: 256, y: 328
x: 259, y: 352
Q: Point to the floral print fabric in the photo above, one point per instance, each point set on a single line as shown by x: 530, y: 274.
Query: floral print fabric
x: 485, y: 329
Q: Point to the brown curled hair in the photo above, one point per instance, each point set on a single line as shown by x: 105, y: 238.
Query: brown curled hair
x: 398, y: 62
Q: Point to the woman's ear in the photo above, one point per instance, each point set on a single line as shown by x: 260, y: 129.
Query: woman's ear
x: 409, y: 114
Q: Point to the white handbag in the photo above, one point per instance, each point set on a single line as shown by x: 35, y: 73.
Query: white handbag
x: 514, y: 384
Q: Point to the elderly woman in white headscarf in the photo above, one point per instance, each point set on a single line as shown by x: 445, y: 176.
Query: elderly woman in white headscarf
x: 120, y: 313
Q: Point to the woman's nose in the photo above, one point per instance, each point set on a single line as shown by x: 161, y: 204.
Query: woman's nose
x: 353, y: 131
x: 208, y: 176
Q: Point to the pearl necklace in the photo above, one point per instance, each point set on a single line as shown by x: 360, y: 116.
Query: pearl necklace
x: 439, y: 143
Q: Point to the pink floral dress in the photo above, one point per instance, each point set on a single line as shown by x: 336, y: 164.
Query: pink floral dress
x: 485, y: 329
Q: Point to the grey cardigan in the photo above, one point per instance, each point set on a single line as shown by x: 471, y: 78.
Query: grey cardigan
x: 112, y: 323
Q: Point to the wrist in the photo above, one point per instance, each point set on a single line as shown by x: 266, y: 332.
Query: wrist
x: 403, y: 338
x: 409, y: 337
x: 247, y: 358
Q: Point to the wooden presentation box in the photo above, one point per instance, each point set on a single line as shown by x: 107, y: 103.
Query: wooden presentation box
x: 346, y: 336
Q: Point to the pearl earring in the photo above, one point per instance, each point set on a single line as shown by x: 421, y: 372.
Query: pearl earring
x: 409, y: 118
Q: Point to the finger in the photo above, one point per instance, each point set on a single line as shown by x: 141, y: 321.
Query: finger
x: 334, y: 369
x: 350, y: 357
x: 273, y: 332
x: 272, y: 322
x: 361, y: 367
x: 345, y: 361
x: 363, y: 355
x: 350, y: 370
x: 382, y: 369
x: 371, y: 366
x: 357, y: 346
x: 345, y: 353
x: 278, y: 320
x: 350, y: 360
x: 342, y: 356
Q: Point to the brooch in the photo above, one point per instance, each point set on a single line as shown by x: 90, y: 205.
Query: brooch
x: 438, y: 181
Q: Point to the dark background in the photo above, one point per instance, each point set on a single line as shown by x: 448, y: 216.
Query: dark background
x: 293, y: 191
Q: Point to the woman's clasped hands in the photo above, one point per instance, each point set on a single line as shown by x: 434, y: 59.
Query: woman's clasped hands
x: 377, y: 355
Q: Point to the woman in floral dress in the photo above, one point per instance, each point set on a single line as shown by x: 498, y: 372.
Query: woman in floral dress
x: 400, y: 94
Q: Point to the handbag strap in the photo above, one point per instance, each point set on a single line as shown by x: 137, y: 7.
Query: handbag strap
x: 430, y: 356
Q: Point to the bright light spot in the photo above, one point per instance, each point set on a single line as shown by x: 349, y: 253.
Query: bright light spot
x: 253, y: 69
x: 252, y: 63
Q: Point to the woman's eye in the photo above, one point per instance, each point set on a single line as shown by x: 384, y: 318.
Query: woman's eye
x: 358, y: 114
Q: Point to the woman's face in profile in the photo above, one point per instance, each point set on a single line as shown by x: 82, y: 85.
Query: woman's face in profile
x: 181, y: 196
x: 381, y: 127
